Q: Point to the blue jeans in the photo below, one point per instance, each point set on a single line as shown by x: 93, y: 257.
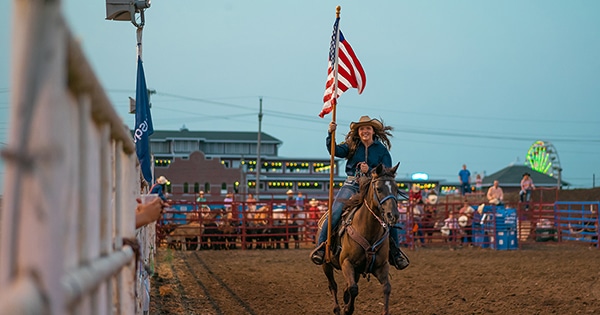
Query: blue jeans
x: 465, y: 188
x: 349, y: 188
x: 526, y: 196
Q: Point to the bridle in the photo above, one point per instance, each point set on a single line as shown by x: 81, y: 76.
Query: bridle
x: 372, y: 248
x: 379, y: 202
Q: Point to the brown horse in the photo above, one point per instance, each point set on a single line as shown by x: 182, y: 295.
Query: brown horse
x: 365, y: 240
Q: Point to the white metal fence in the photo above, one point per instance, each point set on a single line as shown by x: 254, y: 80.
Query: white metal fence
x: 71, y: 180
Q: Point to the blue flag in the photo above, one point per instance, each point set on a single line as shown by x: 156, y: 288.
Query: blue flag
x: 143, y: 123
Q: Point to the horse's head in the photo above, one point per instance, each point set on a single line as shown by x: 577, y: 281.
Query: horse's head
x: 385, y: 192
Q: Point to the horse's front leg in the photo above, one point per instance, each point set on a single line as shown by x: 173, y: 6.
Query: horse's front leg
x: 328, y: 270
x: 383, y: 277
x: 351, y: 290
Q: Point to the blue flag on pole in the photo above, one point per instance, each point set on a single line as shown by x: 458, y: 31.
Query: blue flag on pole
x: 143, y: 123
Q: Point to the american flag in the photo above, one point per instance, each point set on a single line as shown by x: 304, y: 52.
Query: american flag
x: 350, y: 72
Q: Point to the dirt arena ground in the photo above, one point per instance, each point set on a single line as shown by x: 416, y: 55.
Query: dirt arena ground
x: 538, y: 279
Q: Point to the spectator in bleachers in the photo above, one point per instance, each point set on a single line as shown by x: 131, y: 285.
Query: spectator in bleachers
x: 159, y: 188
x: 495, y: 195
x: 414, y: 195
x: 251, y: 203
x: 201, y: 200
x: 478, y: 182
x: 465, y: 221
x: 300, y: 202
x: 228, y: 202
x: 452, y: 228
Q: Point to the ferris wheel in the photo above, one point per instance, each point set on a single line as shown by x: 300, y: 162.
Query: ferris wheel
x: 543, y: 157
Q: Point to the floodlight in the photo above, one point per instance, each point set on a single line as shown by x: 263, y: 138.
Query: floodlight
x: 125, y: 10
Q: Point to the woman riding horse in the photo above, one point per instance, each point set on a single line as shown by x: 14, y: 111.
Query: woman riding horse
x: 366, y: 146
x: 364, y: 245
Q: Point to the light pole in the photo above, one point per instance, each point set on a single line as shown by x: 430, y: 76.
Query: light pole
x: 258, y: 162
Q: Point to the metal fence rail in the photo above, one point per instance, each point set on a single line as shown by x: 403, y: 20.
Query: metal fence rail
x: 71, y: 179
x: 577, y: 221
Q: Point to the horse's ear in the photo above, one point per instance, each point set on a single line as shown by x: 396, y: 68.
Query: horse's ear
x: 378, y: 169
x: 393, y: 170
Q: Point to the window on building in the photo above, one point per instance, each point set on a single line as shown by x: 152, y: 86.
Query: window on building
x: 184, y: 146
x: 250, y: 166
x: 214, y: 148
x: 320, y: 167
x: 162, y: 162
x: 310, y: 185
x: 272, y: 167
x: 186, y: 188
x: 252, y: 185
x: 280, y: 185
x: 207, y: 187
x: 237, y: 148
x: 223, y: 188
x: 297, y: 167
x: 196, y: 187
x: 160, y: 147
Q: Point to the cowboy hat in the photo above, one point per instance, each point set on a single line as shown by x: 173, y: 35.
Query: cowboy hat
x: 463, y: 220
x: 366, y: 120
x: 162, y: 180
x: 290, y: 192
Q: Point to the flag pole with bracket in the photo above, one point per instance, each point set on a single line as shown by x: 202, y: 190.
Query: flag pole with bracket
x: 338, y: 9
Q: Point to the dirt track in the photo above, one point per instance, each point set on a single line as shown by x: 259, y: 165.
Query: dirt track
x: 542, y: 279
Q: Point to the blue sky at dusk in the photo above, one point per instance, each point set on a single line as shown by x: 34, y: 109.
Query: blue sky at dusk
x: 462, y: 82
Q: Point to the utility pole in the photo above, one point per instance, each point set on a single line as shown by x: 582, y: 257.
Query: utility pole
x: 258, y: 162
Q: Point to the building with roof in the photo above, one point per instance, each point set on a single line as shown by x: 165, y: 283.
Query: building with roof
x: 510, y: 177
x: 219, y: 162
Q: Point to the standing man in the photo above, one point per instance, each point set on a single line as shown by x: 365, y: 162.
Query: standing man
x: 464, y: 176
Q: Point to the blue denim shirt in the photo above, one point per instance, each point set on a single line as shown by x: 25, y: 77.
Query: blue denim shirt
x: 378, y: 153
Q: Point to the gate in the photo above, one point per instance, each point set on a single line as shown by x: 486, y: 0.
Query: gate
x: 71, y: 180
x: 577, y: 221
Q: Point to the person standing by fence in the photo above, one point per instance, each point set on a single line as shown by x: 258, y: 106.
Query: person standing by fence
x: 464, y: 176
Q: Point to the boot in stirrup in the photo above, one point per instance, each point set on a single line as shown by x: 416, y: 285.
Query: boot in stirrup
x: 318, y: 254
x: 397, y: 258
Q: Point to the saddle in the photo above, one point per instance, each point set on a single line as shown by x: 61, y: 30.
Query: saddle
x: 338, y: 230
x: 345, y: 226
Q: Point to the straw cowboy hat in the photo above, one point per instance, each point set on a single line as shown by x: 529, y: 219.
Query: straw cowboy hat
x: 367, y: 121
x: 290, y: 192
x: 162, y: 180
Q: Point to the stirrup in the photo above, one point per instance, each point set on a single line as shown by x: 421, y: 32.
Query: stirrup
x: 401, y: 263
x: 398, y: 259
x: 318, y: 255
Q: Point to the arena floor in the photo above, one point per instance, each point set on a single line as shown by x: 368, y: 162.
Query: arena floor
x: 538, y: 279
